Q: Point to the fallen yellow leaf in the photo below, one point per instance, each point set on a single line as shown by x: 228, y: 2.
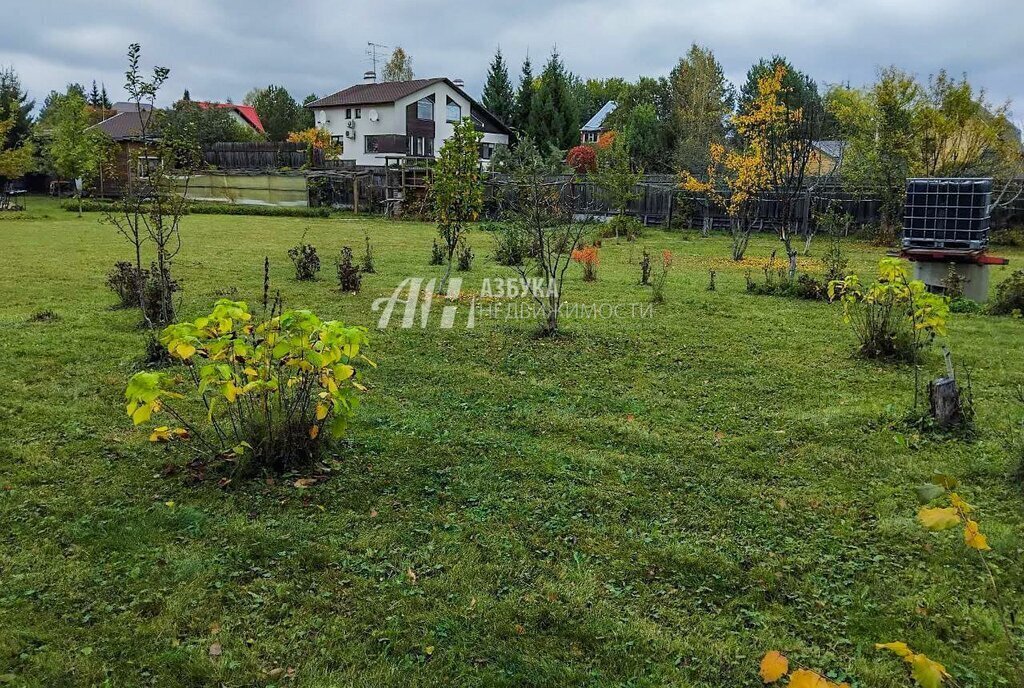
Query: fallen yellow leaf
x: 774, y: 666
x: 938, y: 518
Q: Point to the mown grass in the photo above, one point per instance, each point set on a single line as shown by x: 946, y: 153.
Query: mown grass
x: 640, y: 502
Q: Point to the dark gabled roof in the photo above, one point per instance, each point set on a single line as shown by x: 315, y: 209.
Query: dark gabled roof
x: 391, y: 91
x: 126, y: 126
x: 124, y: 106
x: 369, y: 94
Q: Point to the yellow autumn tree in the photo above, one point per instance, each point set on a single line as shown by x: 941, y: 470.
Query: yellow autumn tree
x: 316, y: 139
x: 737, y: 179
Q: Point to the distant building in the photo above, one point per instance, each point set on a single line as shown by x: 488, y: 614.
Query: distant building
x: 592, y: 130
x: 372, y: 121
x: 826, y: 157
x: 242, y: 114
x: 126, y: 166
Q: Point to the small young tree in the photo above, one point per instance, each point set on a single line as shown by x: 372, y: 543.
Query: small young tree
x: 457, y: 190
x: 617, y: 178
x: 151, y: 207
x: 783, y: 135
x: 399, y: 67
x: 15, y: 160
x: 76, y: 151
x: 543, y: 226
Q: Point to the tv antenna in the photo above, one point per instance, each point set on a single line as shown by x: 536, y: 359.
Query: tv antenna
x: 371, y: 51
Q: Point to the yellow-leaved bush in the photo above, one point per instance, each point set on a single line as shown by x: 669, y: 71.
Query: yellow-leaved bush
x: 894, y: 317
x: 267, y: 392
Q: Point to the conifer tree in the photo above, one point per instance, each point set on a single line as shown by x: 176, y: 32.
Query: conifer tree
x: 498, y: 96
x: 524, y: 97
x: 553, y: 116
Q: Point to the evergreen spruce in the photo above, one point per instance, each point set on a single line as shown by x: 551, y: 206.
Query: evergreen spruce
x: 498, y: 96
x: 94, y: 96
x: 553, y: 118
x: 524, y: 98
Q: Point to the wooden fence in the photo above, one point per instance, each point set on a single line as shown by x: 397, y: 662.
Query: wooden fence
x: 658, y: 200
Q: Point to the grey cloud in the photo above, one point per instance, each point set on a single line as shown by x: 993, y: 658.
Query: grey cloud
x: 220, y: 50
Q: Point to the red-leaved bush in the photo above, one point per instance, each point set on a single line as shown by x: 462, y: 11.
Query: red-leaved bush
x: 582, y: 159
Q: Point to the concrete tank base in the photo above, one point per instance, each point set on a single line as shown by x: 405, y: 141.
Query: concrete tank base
x: 975, y: 276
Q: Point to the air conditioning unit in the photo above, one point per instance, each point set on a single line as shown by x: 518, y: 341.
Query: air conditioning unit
x: 350, y: 134
x: 351, y: 124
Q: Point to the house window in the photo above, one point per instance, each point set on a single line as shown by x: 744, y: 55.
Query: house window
x: 372, y: 143
x: 486, y: 151
x: 425, y: 109
x: 147, y: 165
x: 591, y: 136
x: 348, y: 113
x: 339, y: 141
x: 420, y: 147
x: 454, y: 111
x: 359, y: 113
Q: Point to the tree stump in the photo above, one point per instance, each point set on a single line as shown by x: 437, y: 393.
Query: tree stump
x: 945, y: 402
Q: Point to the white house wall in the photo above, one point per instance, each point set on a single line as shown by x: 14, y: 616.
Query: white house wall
x: 391, y: 120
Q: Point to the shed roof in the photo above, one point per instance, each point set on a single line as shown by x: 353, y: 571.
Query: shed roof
x: 125, y: 126
x: 596, y: 122
x: 833, y: 149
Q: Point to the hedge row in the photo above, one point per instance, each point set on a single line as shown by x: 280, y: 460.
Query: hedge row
x: 94, y: 205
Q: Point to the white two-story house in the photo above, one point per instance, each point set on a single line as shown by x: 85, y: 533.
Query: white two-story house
x: 414, y: 118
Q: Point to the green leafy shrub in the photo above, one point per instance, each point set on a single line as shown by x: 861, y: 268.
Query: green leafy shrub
x: 464, y: 256
x: 306, y: 260
x: 835, y: 260
x: 621, y: 226
x: 1009, y: 295
x: 645, y: 268
x: 259, y: 396
x: 367, y: 263
x: 1011, y: 236
x: 964, y: 305
x: 895, y: 317
x: 349, y: 276
x: 436, y: 254
x: 512, y: 245
x: 124, y: 280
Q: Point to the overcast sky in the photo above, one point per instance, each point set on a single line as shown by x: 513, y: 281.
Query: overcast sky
x: 219, y: 50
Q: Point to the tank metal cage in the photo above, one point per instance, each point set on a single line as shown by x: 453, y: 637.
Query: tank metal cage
x: 947, y: 213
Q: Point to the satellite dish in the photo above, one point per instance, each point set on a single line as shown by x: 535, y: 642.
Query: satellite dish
x: 374, y: 116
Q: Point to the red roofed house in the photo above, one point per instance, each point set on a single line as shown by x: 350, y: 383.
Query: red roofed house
x: 243, y: 114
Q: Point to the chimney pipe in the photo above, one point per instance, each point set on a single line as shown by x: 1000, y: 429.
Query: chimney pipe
x: 459, y: 82
x: 370, y: 77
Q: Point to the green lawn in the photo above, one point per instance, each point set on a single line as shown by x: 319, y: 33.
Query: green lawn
x: 641, y: 502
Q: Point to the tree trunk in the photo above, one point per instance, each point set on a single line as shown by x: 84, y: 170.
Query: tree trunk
x: 79, y: 204
x: 944, y: 397
x: 443, y: 285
